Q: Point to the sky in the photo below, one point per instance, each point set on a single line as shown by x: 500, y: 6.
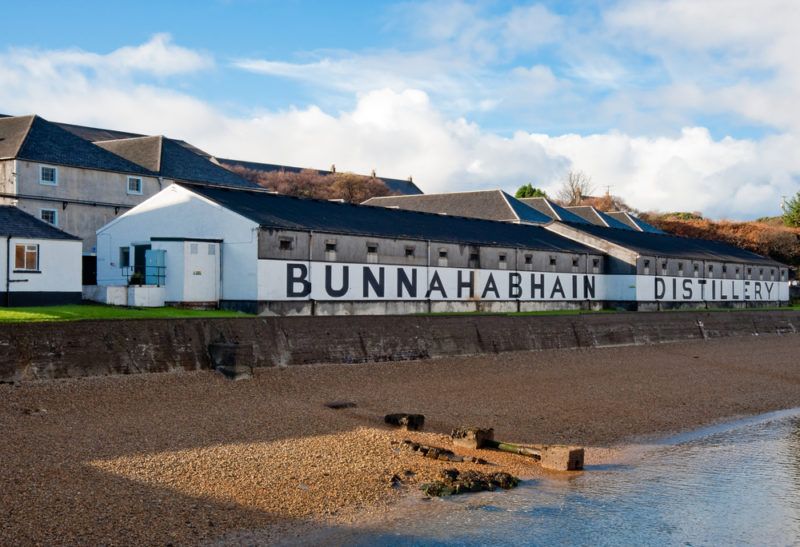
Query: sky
x: 675, y: 105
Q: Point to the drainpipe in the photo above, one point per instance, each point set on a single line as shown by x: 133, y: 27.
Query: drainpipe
x: 8, y: 271
x: 310, y: 256
x: 428, y: 270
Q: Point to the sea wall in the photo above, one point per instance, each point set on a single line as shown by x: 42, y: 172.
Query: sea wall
x: 95, y: 348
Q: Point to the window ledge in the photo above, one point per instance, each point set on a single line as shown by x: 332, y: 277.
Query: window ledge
x: 27, y: 271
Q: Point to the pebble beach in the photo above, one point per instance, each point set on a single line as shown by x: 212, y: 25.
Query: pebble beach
x: 191, y: 458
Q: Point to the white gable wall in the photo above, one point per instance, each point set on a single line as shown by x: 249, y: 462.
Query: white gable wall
x: 59, y: 266
x: 177, y: 212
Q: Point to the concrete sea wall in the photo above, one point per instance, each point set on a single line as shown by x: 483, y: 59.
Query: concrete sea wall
x: 95, y: 348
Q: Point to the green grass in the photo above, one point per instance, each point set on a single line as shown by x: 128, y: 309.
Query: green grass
x: 80, y: 312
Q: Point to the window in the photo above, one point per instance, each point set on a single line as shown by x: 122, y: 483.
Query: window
x: 502, y: 262
x: 595, y: 265
x: 664, y: 268
x: 26, y: 257
x: 134, y: 185
x: 443, y: 258
x: 761, y: 274
x: 193, y: 248
x: 749, y: 273
x: 552, y: 261
x: 575, y: 263
x: 711, y: 270
x: 724, y: 268
x: 646, y: 267
x: 48, y: 175
x: 285, y: 244
x: 442, y: 254
x: 409, y: 252
x: 680, y: 268
x: 528, y: 259
x: 736, y: 271
x: 372, y: 253
x: 330, y: 249
x: 772, y: 275
x: 124, y: 257
x: 50, y: 216
x: 212, y: 249
x: 696, y: 269
x: 474, y: 260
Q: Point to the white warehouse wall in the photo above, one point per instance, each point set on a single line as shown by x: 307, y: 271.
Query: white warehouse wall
x: 190, y: 216
x: 59, y: 265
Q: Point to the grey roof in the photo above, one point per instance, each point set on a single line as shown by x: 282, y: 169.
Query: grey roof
x: 634, y: 222
x: 15, y: 222
x: 35, y: 139
x: 278, y: 211
x: 395, y: 185
x: 485, y: 204
x: 553, y: 210
x: 96, y: 134
x: 170, y: 159
x: 670, y: 246
x: 596, y: 217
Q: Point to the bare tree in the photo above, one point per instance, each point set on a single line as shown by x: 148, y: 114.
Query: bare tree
x: 576, y: 186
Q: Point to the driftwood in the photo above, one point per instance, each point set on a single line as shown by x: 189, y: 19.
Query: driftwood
x: 557, y: 457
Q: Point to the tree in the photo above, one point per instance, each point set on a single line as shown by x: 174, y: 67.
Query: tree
x: 791, y: 211
x: 529, y: 191
x: 576, y: 186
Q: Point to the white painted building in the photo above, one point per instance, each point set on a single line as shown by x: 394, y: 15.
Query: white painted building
x: 41, y: 265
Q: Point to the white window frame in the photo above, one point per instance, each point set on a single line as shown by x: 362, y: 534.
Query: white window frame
x: 54, y: 182
x: 55, y: 216
x: 133, y: 192
x: 26, y: 247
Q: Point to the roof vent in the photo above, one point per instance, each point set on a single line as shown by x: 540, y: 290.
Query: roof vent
x: 333, y: 168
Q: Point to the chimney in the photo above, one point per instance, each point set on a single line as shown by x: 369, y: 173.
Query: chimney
x: 373, y: 173
x: 333, y: 168
x: 410, y: 178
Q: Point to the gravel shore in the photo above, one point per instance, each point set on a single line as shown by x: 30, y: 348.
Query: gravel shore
x: 188, y: 458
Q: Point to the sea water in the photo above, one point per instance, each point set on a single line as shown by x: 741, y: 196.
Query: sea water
x: 736, y: 484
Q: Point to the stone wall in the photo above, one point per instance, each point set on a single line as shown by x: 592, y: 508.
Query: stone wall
x: 92, y: 348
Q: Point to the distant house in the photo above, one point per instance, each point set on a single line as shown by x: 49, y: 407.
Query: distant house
x: 41, y: 265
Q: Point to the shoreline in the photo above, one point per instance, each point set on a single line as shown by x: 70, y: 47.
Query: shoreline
x: 191, y: 458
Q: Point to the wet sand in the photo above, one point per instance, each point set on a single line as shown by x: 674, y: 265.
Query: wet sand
x: 189, y: 458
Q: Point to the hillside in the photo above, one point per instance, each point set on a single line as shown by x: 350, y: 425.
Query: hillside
x: 767, y: 237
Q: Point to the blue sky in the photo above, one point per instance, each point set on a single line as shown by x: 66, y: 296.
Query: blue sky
x: 675, y: 104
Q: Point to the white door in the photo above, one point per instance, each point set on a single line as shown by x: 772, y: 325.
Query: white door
x: 202, y: 272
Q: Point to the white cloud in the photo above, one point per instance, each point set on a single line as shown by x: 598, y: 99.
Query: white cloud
x: 404, y: 132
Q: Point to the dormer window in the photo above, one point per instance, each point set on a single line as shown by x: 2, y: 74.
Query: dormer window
x: 48, y: 175
x: 135, y: 185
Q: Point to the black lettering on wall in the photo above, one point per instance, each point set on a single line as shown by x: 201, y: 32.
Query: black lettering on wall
x: 514, y: 285
x: 769, y: 286
x: 537, y: 285
x: 377, y: 285
x: 588, y: 286
x: 297, y: 274
x: 403, y: 282
x: 436, y: 285
x: 660, y: 288
x: 757, y: 290
x: 687, y: 290
x: 746, y: 290
x: 336, y: 293
x: 490, y: 286
x: 557, y: 288
x: 470, y: 284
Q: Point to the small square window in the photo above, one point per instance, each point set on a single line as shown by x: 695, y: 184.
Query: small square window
x: 646, y: 263
x: 710, y: 268
x: 134, y: 185
x: 330, y: 247
x: 26, y: 257
x: 502, y: 258
x: 442, y: 254
x: 212, y: 249
x: 595, y: 263
x: 552, y: 261
x: 48, y: 175
x: 193, y: 248
x: 124, y: 257
x: 724, y: 268
x: 372, y: 248
x: 285, y: 244
x: 50, y: 216
x: 409, y: 252
x: 528, y: 259
x: 575, y: 262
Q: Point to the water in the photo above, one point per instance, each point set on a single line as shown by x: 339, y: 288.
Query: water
x: 732, y: 485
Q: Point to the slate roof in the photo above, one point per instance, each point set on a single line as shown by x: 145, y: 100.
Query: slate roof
x: 96, y: 134
x: 401, y: 186
x: 485, y: 204
x: 15, y: 222
x: 168, y: 158
x: 35, y: 139
x: 598, y: 218
x: 635, y: 222
x: 665, y: 245
x: 553, y: 210
x: 291, y: 213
